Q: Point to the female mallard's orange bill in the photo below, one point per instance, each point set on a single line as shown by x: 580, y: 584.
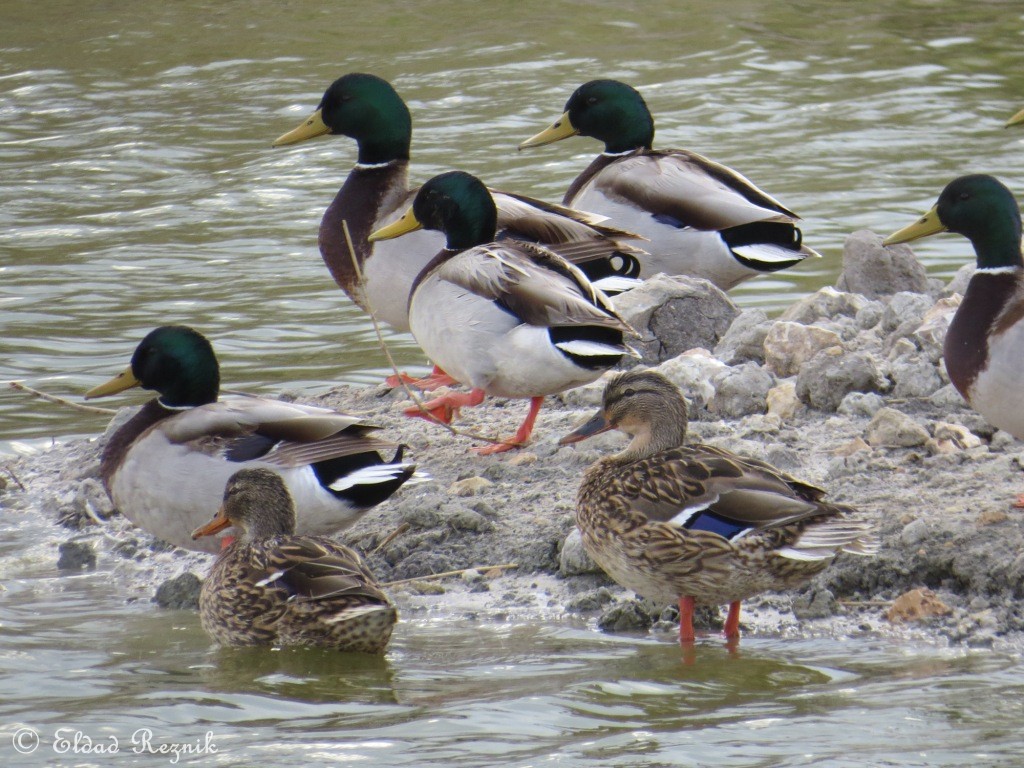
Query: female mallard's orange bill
x: 219, y: 523
x: 595, y: 426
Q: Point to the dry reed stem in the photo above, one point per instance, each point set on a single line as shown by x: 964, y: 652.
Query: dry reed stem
x: 59, y: 400
x: 446, y: 574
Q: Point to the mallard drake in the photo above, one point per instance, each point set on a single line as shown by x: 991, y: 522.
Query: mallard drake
x: 1017, y: 119
x: 376, y: 192
x: 700, y: 218
x: 506, y: 318
x: 695, y: 523
x: 984, y: 346
x: 166, y: 467
x: 272, y: 587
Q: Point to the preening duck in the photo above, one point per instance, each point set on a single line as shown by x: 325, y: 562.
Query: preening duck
x: 273, y: 587
x: 165, y: 468
x: 700, y: 218
x: 694, y: 523
x: 984, y: 346
x: 507, y: 318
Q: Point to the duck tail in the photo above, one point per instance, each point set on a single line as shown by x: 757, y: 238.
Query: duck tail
x: 366, y: 479
x: 842, y: 531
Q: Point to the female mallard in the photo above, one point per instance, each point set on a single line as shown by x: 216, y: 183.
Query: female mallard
x: 701, y: 218
x: 507, y: 318
x: 271, y: 587
x: 984, y: 346
x: 376, y: 192
x: 695, y: 523
x: 166, y: 467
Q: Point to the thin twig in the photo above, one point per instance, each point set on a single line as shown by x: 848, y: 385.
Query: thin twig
x: 391, y: 360
x: 14, y: 477
x: 59, y: 400
x: 446, y: 574
x: 392, y: 536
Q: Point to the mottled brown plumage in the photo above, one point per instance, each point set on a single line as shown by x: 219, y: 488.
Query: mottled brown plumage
x: 696, y: 523
x: 271, y: 587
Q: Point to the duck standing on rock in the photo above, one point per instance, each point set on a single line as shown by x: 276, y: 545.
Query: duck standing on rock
x: 165, y: 468
x: 271, y: 587
x: 700, y: 218
x: 368, y: 109
x: 698, y: 524
x: 507, y: 318
x: 984, y: 345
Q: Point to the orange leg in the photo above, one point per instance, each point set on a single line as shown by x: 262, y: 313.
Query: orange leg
x: 732, y: 622
x: 437, y: 378
x: 686, y: 606
x: 522, y: 435
x: 1018, y: 503
x: 446, y: 407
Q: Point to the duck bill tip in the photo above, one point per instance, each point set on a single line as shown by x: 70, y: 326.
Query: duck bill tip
x: 597, y: 424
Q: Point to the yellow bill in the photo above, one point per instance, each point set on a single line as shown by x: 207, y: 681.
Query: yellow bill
x: 927, y: 225
x: 1016, y: 119
x: 124, y: 380
x: 406, y: 224
x: 310, y: 128
x: 562, y: 129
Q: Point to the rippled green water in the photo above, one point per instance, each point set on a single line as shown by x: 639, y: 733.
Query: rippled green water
x: 139, y: 187
x: 455, y: 691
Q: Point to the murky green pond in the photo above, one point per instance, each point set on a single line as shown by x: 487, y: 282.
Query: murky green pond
x: 138, y: 188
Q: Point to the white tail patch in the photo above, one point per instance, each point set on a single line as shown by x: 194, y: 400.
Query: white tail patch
x: 767, y: 254
x: 356, y: 613
x: 616, y: 283
x: 588, y: 348
x: 378, y: 473
x: 806, y: 555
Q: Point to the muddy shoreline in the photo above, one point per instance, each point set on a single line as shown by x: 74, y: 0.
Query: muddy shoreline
x: 845, y: 390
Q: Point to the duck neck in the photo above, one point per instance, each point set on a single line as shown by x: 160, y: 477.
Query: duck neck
x: 470, y: 227
x: 998, y: 249
x: 367, y: 194
x: 981, y: 314
x: 654, y: 437
x: 385, y: 141
x: 121, y: 441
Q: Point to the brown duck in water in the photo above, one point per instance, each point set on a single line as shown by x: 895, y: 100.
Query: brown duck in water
x: 698, y: 524
x: 271, y: 587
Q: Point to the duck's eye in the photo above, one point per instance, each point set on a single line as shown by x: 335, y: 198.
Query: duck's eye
x: 965, y: 195
x: 592, y: 100
x: 629, y: 392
